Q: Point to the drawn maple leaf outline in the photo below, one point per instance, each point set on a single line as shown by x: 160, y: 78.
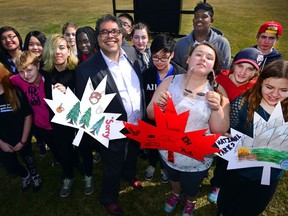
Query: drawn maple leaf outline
x: 268, y: 138
x: 169, y: 134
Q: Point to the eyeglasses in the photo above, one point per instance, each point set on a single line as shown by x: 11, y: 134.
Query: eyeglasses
x: 10, y: 37
x: 125, y: 24
x: 114, y: 33
x: 156, y: 59
x: 192, y: 94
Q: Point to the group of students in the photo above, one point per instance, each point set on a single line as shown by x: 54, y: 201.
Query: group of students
x: 195, y: 72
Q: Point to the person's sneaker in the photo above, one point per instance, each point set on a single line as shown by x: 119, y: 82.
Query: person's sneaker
x: 189, y: 208
x: 96, y: 158
x: 88, y: 185
x: 172, y: 202
x: 149, y: 173
x: 114, y: 209
x: 26, y: 182
x: 37, y: 182
x: 164, y: 176
x: 66, y: 187
x: 213, y: 194
x: 42, y: 149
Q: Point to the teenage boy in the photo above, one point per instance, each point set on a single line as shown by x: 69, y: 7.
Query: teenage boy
x: 267, y: 37
x: 31, y: 81
x: 203, y: 31
x: 162, y: 51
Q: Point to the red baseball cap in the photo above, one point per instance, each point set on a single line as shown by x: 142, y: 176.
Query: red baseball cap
x: 271, y: 27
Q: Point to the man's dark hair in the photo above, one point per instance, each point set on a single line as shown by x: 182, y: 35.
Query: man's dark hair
x: 163, y: 42
x: 107, y: 18
x: 204, y: 6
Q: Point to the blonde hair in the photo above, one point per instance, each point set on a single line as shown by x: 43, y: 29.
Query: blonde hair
x: 49, y: 52
x: 9, y: 89
x: 26, y: 58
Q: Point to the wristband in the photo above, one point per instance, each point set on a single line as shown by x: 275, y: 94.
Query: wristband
x: 23, y: 143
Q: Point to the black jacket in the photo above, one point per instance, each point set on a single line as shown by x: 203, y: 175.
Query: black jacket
x: 150, y: 80
x: 96, y: 68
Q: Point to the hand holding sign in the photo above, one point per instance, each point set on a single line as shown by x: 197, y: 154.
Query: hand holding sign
x: 169, y: 133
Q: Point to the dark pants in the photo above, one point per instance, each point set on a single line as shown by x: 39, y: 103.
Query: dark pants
x: 117, y: 165
x: 63, y: 137
x: 13, y: 165
x: 190, y: 181
x: 240, y: 196
x: 154, y: 157
x: 46, y: 136
x: 219, y: 172
x: 85, y: 149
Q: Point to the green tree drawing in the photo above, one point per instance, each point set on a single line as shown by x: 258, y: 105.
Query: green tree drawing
x: 73, y: 114
x: 85, y: 119
x: 96, y: 127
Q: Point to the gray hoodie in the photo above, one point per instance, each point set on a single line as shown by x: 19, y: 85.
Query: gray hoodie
x: 216, y: 38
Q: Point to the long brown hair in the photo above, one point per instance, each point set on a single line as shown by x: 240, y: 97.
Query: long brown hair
x: 9, y: 89
x: 276, y: 69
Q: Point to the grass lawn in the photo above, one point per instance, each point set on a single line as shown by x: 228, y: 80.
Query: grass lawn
x: 147, y: 202
x: 239, y: 20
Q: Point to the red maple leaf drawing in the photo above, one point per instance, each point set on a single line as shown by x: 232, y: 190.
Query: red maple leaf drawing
x: 169, y: 134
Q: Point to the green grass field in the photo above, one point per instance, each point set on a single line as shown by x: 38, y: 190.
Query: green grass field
x: 239, y: 20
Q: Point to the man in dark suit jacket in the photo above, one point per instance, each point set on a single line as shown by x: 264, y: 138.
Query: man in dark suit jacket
x: 123, y: 77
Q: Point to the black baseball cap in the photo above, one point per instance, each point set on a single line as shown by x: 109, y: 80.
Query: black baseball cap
x: 250, y: 55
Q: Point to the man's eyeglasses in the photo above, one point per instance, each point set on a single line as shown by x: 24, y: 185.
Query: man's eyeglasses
x: 125, y: 24
x: 9, y: 37
x: 113, y: 32
x: 165, y: 59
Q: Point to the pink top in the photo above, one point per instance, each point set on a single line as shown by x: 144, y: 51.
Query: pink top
x: 35, y: 95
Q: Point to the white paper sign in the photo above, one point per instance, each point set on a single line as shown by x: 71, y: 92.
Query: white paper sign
x: 268, y: 147
x: 88, y: 114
